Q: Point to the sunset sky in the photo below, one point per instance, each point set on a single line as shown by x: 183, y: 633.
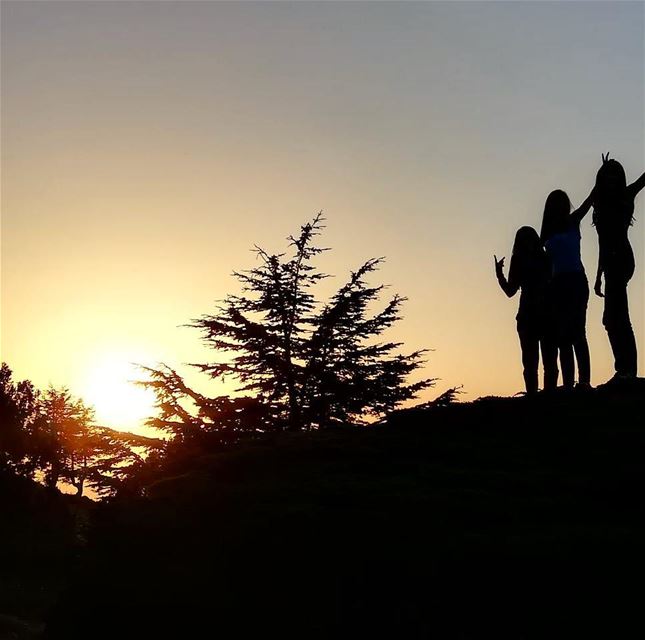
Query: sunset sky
x: 147, y: 146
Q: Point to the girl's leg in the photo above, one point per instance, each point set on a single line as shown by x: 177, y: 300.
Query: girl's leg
x: 530, y: 345
x: 567, y: 364
x: 566, y: 331
x: 583, y: 359
x: 619, y: 327
x: 580, y: 344
x: 550, y: 363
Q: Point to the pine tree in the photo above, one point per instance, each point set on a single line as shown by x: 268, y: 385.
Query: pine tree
x: 350, y: 374
x: 220, y: 419
x: 64, y: 420
x: 53, y: 435
x: 18, y: 416
x: 104, y: 459
x: 299, y: 364
x: 73, y: 449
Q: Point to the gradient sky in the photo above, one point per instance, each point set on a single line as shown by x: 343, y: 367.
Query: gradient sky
x: 146, y: 146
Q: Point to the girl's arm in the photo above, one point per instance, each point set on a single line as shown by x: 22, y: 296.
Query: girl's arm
x: 583, y: 209
x: 636, y: 186
x: 509, y: 287
x: 598, y: 284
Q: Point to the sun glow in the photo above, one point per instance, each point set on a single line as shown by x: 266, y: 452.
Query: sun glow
x: 119, y: 403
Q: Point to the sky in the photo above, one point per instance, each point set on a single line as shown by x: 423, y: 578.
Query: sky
x: 147, y: 146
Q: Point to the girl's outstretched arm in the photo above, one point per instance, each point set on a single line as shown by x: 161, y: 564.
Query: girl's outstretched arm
x: 583, y: 209
x: 636, y: 186
x: 508, y: 286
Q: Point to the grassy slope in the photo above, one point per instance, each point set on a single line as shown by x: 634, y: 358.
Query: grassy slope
x: 506, y: 517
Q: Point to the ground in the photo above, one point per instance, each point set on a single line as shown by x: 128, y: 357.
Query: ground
x: 504, y: 517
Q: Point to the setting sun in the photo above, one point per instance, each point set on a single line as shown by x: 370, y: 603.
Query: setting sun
x: 110, y: 389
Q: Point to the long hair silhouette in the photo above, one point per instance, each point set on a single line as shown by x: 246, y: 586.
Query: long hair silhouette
x: 527, y: 252
x: 527, y: 244
x: 556, y: 217
x: 611, y: 189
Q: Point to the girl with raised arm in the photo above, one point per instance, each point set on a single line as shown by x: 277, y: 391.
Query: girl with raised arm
x: 530, y: 271
x: 613, y: 215
x: 569, y: 290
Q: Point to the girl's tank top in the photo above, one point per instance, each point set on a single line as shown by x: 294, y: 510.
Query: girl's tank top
x: 563, y: 250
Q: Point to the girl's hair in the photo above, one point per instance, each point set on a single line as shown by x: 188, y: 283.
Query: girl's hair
x: 528, y: 259
x: 557, y: 209
x: 527, y: 243
x: 610, y: 191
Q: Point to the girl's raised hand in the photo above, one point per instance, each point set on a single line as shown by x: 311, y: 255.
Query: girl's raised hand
x: 499, y: 264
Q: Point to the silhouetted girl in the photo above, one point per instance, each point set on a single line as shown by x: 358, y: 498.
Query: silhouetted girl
x: 530, y: 271
x: 569, y: 290
x: 613, y: 214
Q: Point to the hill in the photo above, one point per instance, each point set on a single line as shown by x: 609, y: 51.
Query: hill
x: 41, y: 535
x: 504, y: 517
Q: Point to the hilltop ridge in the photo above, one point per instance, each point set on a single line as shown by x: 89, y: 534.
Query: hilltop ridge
x: 505, y: 517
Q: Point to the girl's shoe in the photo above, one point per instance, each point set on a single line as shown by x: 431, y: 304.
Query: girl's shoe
x: 619, y: 378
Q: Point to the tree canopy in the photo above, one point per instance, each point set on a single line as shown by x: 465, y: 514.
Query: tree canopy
x: 297, y: 362
x: 52, y: 436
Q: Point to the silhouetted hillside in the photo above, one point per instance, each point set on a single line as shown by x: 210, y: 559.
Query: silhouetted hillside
x: 41, y: 532
x: 506, y: 518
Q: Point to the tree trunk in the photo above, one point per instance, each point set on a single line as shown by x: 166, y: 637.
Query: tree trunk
x: 294, y: 408
x: 54, y: 474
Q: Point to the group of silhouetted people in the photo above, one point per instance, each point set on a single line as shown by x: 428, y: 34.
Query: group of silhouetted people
x: 548, y: 270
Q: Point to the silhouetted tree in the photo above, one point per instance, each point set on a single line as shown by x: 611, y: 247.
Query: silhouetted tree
x: 101, y: 458
x: 53, y: 436
x: 18, y: 415
x: 64, y: 420
x: 300, y: 364
x: 221, y: 419
x: 73, y: 449
x: 349, y: 372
